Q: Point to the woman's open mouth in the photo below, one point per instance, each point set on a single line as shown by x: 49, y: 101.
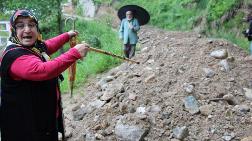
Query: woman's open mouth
x: 27, y: 37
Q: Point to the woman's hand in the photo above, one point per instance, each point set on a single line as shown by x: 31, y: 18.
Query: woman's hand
x: 72, y: 33
x: 82, y: 49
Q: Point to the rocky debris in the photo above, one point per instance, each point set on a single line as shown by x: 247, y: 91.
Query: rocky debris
x: 206, y: 109
x: 230, y: 99
x: 129, y: 132
x: 248, y: 93
x: 224, y: 65
x: 208, y: 72
x: 180, y: 132
x: 219, y: 54
x: 191, y: 105
x: 188, y: 87
x: 177, y: 92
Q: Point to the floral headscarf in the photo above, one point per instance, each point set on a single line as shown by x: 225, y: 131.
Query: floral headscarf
x: 23, y: 13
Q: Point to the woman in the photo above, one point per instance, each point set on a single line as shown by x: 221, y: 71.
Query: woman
x: 30, y: 94
x: 128, y: 33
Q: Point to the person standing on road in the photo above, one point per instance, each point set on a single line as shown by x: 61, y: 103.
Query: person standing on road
x: 30, y: 95
x: 128, y: 33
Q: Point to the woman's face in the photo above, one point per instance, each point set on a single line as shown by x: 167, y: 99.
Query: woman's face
x: 26, y: 30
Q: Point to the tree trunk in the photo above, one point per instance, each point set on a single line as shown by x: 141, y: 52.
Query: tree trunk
x: 59, y: 21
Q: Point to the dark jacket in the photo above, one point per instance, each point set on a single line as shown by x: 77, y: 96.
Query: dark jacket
x: 28, y: 108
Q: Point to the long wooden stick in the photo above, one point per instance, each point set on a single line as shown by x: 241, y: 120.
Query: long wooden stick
x: 113, y: 55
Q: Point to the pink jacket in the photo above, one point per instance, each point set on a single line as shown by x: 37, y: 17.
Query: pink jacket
x: 30, y: 67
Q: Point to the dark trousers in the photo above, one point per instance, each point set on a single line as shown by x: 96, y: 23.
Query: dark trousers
x: 129, y: 50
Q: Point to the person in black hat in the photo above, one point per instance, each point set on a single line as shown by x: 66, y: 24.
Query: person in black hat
x: 128, y: 33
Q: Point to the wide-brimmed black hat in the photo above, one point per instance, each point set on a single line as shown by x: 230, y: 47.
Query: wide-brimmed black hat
x: 140, y: 13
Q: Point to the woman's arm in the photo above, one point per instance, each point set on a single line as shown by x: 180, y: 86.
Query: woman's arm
x: 56, y: 43
x: 30, y: 67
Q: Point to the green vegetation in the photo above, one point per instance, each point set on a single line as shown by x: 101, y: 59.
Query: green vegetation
x: 98, y: 35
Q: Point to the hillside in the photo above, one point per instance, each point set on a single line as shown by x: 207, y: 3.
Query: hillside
x: 179, y: 91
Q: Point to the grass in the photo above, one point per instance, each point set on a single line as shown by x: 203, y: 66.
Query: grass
x: 94, y: 63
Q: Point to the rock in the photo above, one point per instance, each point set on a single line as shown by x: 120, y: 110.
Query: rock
x: 123, y: 108
x: 175, y: 140
x: 241, y: 108
x: 219, y: 54
x: 188, y: 87
x: 69, y: 132
x: 99, y: 136
x: 191, y: 105
x: 180, y: 132
x: 132, y: 96
x: 154, y: 109
x: 248, y: 58
x: 206, y: 109
x: 249, y: 138
x: 226, y: 138
x: 90, y: 137
x: 248, y: 93
x: 150, y: 61
x: 148, y: 69
x: 141, y: 116
x: 150, y: 78
x: 112, y: 91
x: 166, y: 115
x: 230, y: 99
x: 225, y: 66
x: 141, y: 110
x: 101, y: 84
x: 97, y: 104
x: 79, y: 114
x: 129, y: 132
x: 76, y: 108
x: 209, y: 73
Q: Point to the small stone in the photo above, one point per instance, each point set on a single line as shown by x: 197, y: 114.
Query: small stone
x: 224, y: 64
x: 219, y: 54
x: 99, y: 136
x: 242, y: 108
x: 206, y: 109
x: 230, y: 99
x: 141, y: 110
x: 248, y: 93
x: 180, y: 132
x: 208, y: 72
x: 132, y: 96
x: 188, y: 87
x: 191, y: 105
x: 150, y: 78
x: 227, y: 138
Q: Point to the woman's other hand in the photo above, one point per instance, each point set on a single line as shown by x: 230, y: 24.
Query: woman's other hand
x: 82, y: 49
x: 72, y: 33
